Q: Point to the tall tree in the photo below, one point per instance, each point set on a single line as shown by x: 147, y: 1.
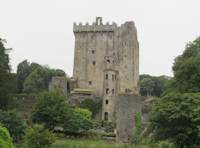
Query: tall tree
x: 4, y: 75
x: 176, y: 115
x: 187, y: 68
x: 23, y: 70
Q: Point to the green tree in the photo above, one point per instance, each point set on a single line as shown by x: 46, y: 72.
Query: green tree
x: 5, y: 139
x: 177, y: 117
x: 37, y: 136
x: 187, y: 69
x: 23, y: 70
x: 14, y: 123
x: 36, y: 81
x: 5, y: 90
x: 50, y: 109
x: 91, y: 105
x: 78, y: 121
x: 153, y: 86
x: 39, y: 78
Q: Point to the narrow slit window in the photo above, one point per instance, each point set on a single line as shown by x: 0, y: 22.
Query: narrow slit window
x: 107, y: 90
x: 106, y: 101
x: 90, y: 82
x: 93, y: 51
x: 113, y: 91
x: 93, y: 63
x: 113, y: 77
x: 106, y: 76
x: 106, y: 116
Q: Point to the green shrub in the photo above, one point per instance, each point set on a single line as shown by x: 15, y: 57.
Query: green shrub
x: 137, y: 138
x: 5, y: 139
x: 50, y: 109
x: 37, y: 136
x: 165, y: 144
x: 14, y: 123
x: 91, y: 105
x: 176, y: 117
x: 78, y: 122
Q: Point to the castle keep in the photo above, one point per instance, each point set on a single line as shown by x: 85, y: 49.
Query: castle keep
x: 106, y: 61
x: 106, y: 68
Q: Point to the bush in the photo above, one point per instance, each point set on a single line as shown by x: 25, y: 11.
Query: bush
x: 176, y: 117
x: 37, y: 136
x: 50, y: 109
x: 5, y: 139
x: 14, y: 123
x: 138, y: 128
x: 78, y: 122
x: 91, y: 105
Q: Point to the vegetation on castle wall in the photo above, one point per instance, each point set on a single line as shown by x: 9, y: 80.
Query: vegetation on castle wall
x: 91, y: 105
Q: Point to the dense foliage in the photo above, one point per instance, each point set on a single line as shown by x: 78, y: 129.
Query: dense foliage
x: 37, y: 136
x: 7, y: 80
x: 5, y: 139
x: 153, y: 86
x: 50, y: 109
x: 34, y: 78
x: 91, y: 105
x: 78, y: 122
x: 176, y: 115
x: 14, y: 123
x: 187, y: 68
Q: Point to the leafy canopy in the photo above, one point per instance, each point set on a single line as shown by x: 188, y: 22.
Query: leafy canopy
x: 187, y: 69
x: 50, y: 109
x: 177, y: 117
x: 14, y: 123
x: 37, y: 136
x: 5, y: 139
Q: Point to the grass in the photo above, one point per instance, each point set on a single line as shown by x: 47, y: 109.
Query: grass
x: 80, y: 143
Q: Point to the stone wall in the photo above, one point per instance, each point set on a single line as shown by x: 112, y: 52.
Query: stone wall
x: 126, y: 107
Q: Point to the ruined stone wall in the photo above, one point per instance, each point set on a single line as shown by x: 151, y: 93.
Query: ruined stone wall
x: 126, y: 108
x: 59, y: 83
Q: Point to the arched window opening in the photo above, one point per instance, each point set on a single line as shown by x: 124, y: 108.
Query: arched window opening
x: 107, y: 90
x: 106, y: 101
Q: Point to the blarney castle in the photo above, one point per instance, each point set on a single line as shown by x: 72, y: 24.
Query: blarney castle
x: 106, y: 68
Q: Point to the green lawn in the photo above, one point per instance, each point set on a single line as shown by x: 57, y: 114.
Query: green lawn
x: 77, y: 143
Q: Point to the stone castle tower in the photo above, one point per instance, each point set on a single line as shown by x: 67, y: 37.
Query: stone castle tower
x: 106, y: 61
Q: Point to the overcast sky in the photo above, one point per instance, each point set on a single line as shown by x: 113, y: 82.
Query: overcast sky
x: 41, y: 30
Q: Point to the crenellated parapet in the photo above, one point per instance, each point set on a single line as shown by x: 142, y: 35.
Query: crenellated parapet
x: 97, y: 26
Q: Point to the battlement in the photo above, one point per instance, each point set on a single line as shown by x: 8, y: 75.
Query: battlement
x: 97, y: 26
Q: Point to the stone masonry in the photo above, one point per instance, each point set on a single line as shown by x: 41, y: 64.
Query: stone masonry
x: 106, y: 60
x: 106, y: 69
